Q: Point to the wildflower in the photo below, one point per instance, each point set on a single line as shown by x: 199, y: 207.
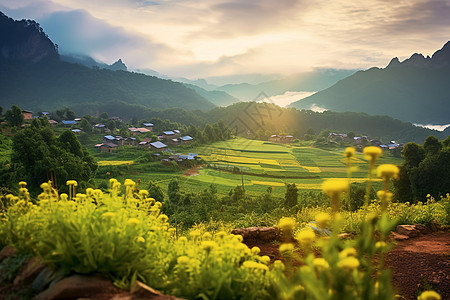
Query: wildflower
x: 349, y: 152
x: 129, y: 182
x: 108, y: 215
x: 380, y: 245
x: 429, y: 295
x: 143, y: 193
x: 264, y: 259
x: 428, y: 196
x: 306, y: 237
x: 207, y: 236
x: 348, y: 263
x: 163, y: 218
x: 182, y: 239
x: 334, y: 189
x: 221, y: 234
x: 320, y: 263
x: 133, y: 221
x: 323, y: 219
x: 22, y: 184
x: 287, y: 226
x: 208, y: 246
x: 140, y: 239
x: 194, y: 234
x: 286, y: 248
x: 278, y: 265
x: 255, y: 250
x: 45, y: 186
x: 387, y: 171
x: 347, y: 252
x: 63, y: 196
x: 254, y: 265
x: 183, y: 260
x: 372, y: 153
x: 72, y: 182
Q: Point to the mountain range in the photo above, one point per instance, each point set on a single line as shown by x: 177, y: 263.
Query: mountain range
x: 34, y: 77
x: 416, y: 90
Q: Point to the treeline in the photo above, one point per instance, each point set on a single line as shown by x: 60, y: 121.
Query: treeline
x: 425, y: 171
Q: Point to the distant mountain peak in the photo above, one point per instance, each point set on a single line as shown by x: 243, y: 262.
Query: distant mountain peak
x: 441, y: 58
x: 119, y: 66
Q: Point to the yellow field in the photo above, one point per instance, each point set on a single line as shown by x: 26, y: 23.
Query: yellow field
x: 239, y: 159
x: 312, y: 169
x: 271, y: 183
x: 114, y: 162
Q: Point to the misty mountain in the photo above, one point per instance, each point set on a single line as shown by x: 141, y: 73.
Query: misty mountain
x: 415, y: 90
x: 309, y: 81
x: 88, y: 61
x: 33, y: 77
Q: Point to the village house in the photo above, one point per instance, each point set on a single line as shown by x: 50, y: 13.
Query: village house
x: 186, y: 139
x: 149, y: 126
x: 106, y: 147
x: 158, y: 146
x: 283, y: 139
x: 27, y: 115
x: 68, y: 123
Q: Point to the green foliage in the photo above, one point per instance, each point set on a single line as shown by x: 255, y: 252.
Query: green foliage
x: 39, y: 156
x: 14, y: 116
x: 425, y: 171
x: 290, y: 198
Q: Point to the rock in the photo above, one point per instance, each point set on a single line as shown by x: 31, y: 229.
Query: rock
x: 77, y: 286
x: 30, y: 271
x: 435, y: 226
x: 268, y: 234
x: 408, y: 230
x: 142, y: 291
x: 46, y: 277
x: 398, y: 237
x: 6, y: 252
x: 422, y: 229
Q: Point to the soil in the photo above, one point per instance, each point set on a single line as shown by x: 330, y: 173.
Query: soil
x: 417, y: 264
x: 191, y: 172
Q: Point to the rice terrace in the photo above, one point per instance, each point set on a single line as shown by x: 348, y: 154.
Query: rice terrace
x: 224, y: 149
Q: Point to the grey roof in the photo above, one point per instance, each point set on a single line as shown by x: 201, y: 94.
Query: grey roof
x: 158, y: 145
x: 109, y: 137
x: 170, y: 132
x: 148, y: 124
x: 186, y: 138
x: 69, y: 122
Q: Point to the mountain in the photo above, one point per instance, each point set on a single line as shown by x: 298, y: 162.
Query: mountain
x: 92, y: 63
x: 33, y: 77
x: 309, y: 81
x: 416, y: 90
x: 219, y: 98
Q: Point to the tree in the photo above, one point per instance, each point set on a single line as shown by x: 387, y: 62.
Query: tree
x: 104, y: 116
x: 14, y: 116
x: 291, y: 196
x: 41, y: 157
x: 413, y: 154
x: 432, y: 145
x: 155, y: 191
x: 1, y: 110
x: 111, y: 125
x: 85, y: 125
x: 70, y: 114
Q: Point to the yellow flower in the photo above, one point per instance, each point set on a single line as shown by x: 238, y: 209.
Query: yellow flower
x: 133, y: 221
x: 306, y: 237
x: 347, y: 252
x: 129, y: 182
x: 429, y: 295
x: 286, y: 248
x: 72, y: 182
x: 255, y: 250
x: 22, y: 184
x: 387, y: 171
x: 320, y: 263
x: 348, y: 263
x: 264, y: 259
x: 207, y: 236
x: 183, y: 260
x: 428, y: 195
x: 323, y: 219
x: 372, y: 153
x: 208, y: 246
x: 108, y: 215
x: 140, y: 239
x: 278, y: 265
x: 163, y: 218
x: 334, y: 187
x: 194, y: 233
x: 349, y: 152
x: 254, y: 265
x: 143, y: 193
x: 45, y: 186
x: 287, y: 225
x: 182, y: 239
x: 380, y: 245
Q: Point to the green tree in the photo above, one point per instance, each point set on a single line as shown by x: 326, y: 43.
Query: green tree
x: 155, y: 191
x: 291, y: 196
x: 70, y: 114
x: 104, y: 116
x: 85, y: 125
x: 111, y: 125
x: 14, y: 116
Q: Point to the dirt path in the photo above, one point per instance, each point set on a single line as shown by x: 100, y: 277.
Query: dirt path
x: 417, y: 264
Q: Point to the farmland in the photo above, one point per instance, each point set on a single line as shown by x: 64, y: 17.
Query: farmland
x: 255, y: 164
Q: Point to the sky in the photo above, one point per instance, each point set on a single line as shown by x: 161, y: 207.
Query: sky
x: 211, y: 38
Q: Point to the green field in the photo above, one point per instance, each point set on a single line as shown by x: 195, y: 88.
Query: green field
x: 262, y: 165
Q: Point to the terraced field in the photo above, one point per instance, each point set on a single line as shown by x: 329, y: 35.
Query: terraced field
x: 259, y: 165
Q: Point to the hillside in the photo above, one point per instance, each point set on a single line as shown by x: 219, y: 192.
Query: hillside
x: 309, y: 81
x: 415, y: 90
x: 33, y: 77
